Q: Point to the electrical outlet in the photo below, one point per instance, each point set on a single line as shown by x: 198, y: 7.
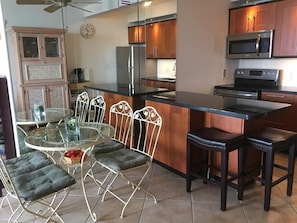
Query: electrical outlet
x: 225, y: 74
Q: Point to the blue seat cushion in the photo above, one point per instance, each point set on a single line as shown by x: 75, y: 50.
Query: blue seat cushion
x: 26, y: 163
x: 122, y: 159
x: 108, y: 146
x: 42, y: 182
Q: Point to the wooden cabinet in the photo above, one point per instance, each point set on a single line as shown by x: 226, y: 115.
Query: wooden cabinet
x: 159, y: 84
x: 39, y: 67
x: 282, y: 119
x: 54, y: 95
x: 285, y: 41
x: 161, y: 39
x: 252, y: 18
x: 172, y: 144
x: 110, y: 98
x: 136, y: 34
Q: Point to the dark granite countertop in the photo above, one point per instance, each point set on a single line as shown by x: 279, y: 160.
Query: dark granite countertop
x: 281, y: 89
x: 126, y: 89
x: 163, y: 79
x: 247, y: 109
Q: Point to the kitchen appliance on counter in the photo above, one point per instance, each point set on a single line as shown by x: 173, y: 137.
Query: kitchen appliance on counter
x: 132, y: 65
x: 249, y: 82
x: 251, y: 45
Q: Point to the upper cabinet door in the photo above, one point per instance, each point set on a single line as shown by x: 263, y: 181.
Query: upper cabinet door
x: 161, y: 40
x: 252, y: 19
x: 40, y: 47
x: 136, y: 34
x: 285, y: 41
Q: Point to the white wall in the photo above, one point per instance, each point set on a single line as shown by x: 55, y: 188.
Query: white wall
x: 5, y: 71
x: 201, y: 32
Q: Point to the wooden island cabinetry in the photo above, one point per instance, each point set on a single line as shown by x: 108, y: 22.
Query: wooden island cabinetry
x: 39, y: 67
x: 252, y: 18
x: 172, y: 144
x: 283, y: 119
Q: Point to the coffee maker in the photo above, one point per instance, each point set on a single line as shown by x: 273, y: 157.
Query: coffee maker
x: 79, y: 73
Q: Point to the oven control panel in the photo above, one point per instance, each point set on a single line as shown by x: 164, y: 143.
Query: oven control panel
x: 258, y: 74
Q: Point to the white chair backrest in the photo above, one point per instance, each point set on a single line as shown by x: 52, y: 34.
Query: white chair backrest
x: 147, y: 124
x: 6, y: 179
x: 120, y: 117
x: 81, y: 106
x: 97, y: 109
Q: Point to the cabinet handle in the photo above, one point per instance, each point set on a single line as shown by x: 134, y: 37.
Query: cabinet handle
x: 254, y: 23
x: 247, y: 24
x: 258, y: 45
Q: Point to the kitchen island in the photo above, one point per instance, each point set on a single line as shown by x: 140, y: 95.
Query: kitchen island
x: 185, y: 111
x: 114, y: 93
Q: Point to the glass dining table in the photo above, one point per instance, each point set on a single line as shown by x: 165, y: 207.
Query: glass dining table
x: 55, y: 138
x: 49, y: 115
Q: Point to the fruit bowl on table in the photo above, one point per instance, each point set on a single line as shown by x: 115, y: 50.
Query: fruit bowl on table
x: 74, y: 156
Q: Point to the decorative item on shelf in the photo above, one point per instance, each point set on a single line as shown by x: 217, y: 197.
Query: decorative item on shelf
x: 72, y: 130
x: 38, y: 112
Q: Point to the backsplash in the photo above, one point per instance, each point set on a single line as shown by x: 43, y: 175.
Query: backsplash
x: 166, y: 68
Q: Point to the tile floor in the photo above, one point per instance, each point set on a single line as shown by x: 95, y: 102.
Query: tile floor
x: 176, y: 205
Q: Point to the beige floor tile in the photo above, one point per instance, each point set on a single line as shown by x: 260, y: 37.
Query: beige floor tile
x: 167, y: 211
x: 175, y: 204
x: 208, y: 213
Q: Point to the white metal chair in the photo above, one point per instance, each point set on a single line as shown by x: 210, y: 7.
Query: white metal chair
x: 120, y: 117
x: 39, y: 185
x: 146, y: 128
x: 97, y: 109
x: 81, y: 106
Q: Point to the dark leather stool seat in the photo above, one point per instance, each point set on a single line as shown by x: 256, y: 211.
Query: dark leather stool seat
x: 269, y: 141
x: 212, y: 139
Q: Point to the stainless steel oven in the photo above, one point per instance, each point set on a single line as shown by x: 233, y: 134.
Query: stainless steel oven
x: 249, y: 82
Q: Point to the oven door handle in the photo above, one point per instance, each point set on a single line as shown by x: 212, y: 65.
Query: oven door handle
x: 236, y: 94
x: 258, y: 45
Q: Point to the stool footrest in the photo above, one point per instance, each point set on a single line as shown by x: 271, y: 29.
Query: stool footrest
x: 279, y: 180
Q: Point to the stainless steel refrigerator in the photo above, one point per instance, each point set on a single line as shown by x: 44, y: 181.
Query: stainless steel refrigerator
x: 132, y: 65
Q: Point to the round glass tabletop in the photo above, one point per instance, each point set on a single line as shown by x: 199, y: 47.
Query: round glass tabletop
x: 56, y: 137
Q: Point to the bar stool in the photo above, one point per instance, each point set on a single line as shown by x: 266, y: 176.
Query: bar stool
x: 212, y: 139
x: 269, y: 141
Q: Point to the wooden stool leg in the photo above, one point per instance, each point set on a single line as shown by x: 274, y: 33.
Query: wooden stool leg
x: 291, y: 165
x: 188, y: 177
x: 224, y: 176
x: 240, y: 173
x: 269, y: 161
x: 205, y: 165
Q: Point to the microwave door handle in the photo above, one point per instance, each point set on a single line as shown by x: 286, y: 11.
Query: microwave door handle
x: 258, y: 45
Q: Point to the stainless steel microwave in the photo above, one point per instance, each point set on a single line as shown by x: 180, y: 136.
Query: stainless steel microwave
x: 251, y: 45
